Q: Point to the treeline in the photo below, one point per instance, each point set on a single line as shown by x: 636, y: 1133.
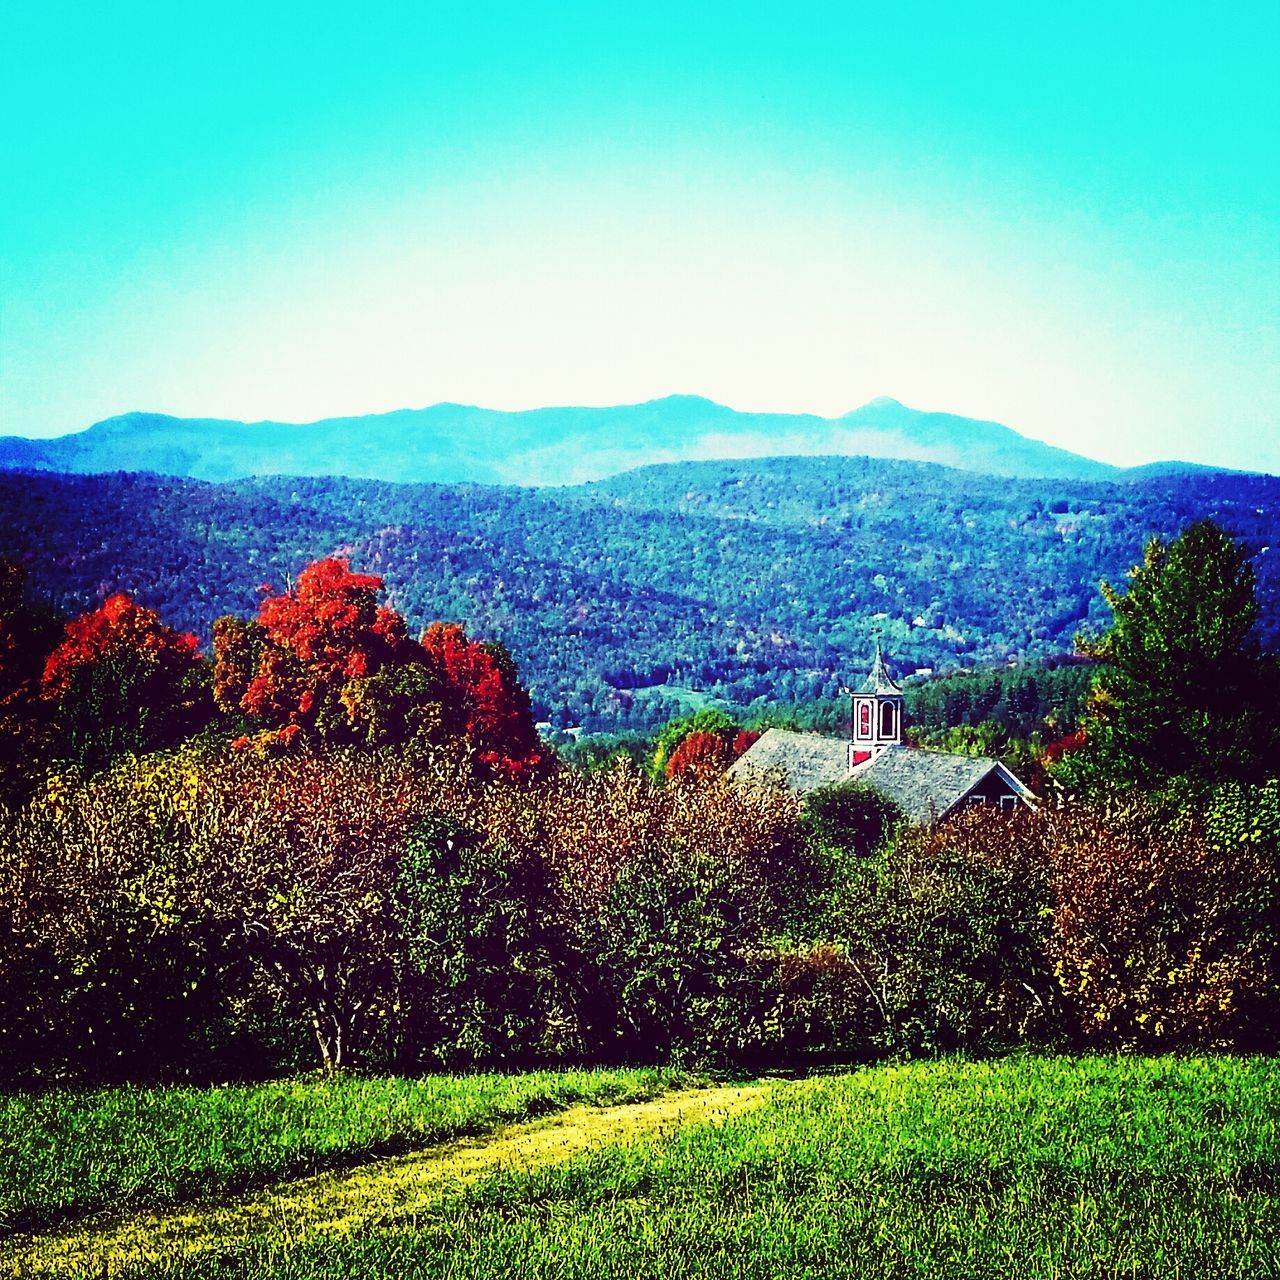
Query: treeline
x: 337, y: 842
x: 753, y: 580
x: 204, y: 915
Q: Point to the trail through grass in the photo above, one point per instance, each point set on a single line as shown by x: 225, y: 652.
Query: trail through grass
x: 342, y: 1204
x: 65, y: 1153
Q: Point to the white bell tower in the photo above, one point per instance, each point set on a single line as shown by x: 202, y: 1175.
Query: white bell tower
x: 878, y: 706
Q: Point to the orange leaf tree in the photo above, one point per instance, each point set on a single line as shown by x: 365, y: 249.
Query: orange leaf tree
x: 122, y: 681
x: 326, y: 662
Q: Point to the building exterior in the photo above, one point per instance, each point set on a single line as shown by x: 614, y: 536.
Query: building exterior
x: 926, y: 785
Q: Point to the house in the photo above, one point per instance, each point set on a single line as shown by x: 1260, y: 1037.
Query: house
x: 926, y: 785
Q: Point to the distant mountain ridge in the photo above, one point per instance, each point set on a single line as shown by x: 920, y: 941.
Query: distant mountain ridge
x: 452, y: 443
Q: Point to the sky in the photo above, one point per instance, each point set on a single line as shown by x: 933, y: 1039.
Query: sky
x: 1063, y: 218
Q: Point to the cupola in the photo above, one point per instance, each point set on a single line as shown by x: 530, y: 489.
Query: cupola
x: 878, y: 706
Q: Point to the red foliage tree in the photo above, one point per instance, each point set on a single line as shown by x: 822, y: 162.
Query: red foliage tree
x: 121, y: 680
x: 326, y: 661
x: 489, y: 706
x: 700, y: 755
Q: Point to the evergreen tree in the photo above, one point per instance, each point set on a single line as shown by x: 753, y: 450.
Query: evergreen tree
x: 1185, y: 692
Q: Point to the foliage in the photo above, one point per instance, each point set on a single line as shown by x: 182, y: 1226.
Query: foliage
x: 710, y: 722
x: 1184, y: 692
x: 122, y: 681
x: 297, y: 862
x: 103, y: 972
x: 1165, y: 932
x: 948, y: 931
x: 28, y: 635
x: 325, y: 663
x: 849, y: 817
x: 483, y: 959
x: 700, y: 755
x: 746, y: 580
x: 489, y: 704
x: 326, y: 659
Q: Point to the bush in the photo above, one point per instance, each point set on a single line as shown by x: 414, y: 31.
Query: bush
x: 484, y: 957
x: 1165, y: 928
x: 948, y: 932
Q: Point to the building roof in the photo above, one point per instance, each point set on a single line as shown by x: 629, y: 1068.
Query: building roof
x: 878, y: 680
x: 798, y: 762
x: 925, y: 785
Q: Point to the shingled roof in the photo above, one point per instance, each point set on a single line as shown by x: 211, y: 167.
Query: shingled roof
x: 925, y: 785
x: 798, y: 762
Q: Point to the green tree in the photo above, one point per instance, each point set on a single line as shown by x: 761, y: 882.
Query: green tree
x: 1184, y: 692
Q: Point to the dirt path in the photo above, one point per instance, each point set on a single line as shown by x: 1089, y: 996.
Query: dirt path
x: 343, y: 1202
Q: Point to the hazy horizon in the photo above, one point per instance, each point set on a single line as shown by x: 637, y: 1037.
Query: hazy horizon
x: 1067, y: 224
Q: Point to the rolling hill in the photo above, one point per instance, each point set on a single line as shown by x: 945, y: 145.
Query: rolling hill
x: 742, y: 579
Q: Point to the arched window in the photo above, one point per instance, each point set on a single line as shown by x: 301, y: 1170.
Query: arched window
x: 864, y: 719
x: 886, y: 720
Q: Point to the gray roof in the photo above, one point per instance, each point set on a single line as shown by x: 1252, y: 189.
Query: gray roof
x: 925, y: 785
x: 879, y: 680
x: 799, y: 762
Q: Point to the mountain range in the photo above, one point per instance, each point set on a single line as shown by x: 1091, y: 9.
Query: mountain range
x: 453, y: 443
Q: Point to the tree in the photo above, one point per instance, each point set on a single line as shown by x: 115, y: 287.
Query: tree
x: 122, y: 681
x: 27, y: 636
x: 1184, y: 691
x: 296, y: 861
x: 326, y: 663
x: 485, y: 701
x: 850, y: 817
x: 700, y: 755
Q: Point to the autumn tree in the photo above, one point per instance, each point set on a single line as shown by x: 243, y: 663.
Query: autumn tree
x: 325, y: 659
x: 485, y: 701
x: 703, y: 745
x: 296, y: 862
x: 1164, y: 929
x: 122, y: 681
x: 326, y: 662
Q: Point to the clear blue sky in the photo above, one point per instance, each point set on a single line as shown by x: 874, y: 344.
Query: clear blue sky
x: 1063, y: 217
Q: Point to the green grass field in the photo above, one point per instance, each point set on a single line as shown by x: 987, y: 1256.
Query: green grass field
x: 66, y: 1153
x: 1024, y: 1167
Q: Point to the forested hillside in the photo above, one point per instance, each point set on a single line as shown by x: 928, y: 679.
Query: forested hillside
x: 741, y: 580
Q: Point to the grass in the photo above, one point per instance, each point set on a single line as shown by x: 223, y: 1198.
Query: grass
x: 1028, y: 1167
x: 67, y: 1153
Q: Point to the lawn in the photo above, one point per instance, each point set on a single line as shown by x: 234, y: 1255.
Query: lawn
x: 1055, y: 1168
x: 65, y: 1153
x: 1026, y: 1167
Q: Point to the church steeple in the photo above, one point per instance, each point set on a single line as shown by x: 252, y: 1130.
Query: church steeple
x: 878, y: 705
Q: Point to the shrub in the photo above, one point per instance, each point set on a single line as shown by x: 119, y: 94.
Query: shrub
x: 948, y: 930
x: 1165, y: 932
x: 484, y: 958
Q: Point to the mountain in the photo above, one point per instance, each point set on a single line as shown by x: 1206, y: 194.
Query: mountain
x: 452, y: 443
x: 738, y: 579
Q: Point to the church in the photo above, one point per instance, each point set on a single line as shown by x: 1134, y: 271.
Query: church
x: 927, y: 786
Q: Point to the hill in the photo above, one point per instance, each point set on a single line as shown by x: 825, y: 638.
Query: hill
x: 451, y: 443
x: 741, y: 580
